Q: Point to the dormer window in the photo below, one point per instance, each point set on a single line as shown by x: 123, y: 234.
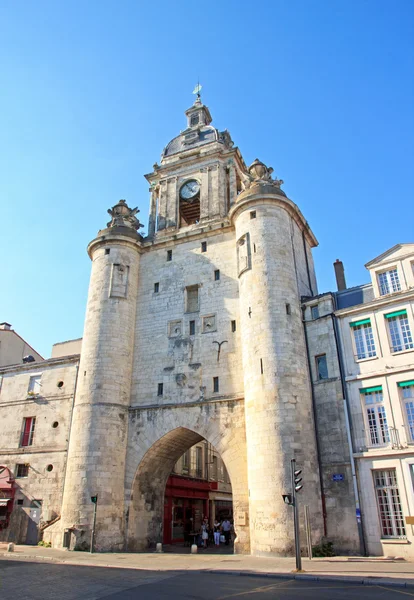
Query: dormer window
x: 388, y: 282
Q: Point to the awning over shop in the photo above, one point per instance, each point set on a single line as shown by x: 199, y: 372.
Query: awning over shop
x: 3, y: 501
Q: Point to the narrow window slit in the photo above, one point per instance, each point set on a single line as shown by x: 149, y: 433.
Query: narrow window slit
x: 261, y: 366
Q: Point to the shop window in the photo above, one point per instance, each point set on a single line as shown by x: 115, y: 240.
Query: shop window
x: 28, y: 429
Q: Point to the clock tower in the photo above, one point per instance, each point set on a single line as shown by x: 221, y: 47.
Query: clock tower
x: 199, y: 177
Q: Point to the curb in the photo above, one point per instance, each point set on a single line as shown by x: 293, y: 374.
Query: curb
x: 368, y: 580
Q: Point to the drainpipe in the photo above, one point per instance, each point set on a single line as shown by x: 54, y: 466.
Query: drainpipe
x: 348, y: 425
x: 318, y: 450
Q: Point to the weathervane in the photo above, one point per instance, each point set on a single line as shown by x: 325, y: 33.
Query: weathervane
x: 197, y: 90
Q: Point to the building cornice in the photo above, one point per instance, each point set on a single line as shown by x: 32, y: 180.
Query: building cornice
x: 377, y: 303
x: 40, y: 366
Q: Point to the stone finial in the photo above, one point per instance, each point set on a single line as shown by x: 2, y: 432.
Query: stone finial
x: 260, y: 173
x: 123, y: 216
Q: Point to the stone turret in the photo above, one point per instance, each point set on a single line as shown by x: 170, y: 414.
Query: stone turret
x: 272, y: 240
x: 97, y: 447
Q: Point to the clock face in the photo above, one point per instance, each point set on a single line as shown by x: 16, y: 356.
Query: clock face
x: 190, y: 190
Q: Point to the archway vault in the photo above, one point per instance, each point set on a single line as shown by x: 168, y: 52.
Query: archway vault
x: 157, y: 438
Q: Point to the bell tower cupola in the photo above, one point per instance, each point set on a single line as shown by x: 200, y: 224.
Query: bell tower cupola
x: 198, y: 178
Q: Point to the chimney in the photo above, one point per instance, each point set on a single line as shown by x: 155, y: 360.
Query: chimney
x: 5, y: 325
x: 340, y: 275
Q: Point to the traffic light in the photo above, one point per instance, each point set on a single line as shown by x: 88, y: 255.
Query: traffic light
x: 94, y: 499
x: 297, y: 480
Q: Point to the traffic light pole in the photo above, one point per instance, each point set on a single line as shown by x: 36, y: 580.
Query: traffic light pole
x: 94, y: 499
x: 295, y: 515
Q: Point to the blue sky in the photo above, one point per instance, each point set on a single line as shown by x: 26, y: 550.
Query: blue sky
x: 92, y: 91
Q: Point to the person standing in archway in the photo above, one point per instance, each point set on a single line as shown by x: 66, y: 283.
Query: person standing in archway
x: 217, y: 528
x: 226, y: 527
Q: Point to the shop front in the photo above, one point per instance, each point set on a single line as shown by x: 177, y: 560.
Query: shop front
x: 186, y: 503
x: 7, y: 490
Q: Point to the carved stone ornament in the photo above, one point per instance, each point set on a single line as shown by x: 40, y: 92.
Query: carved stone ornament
x: 259, y: 172
x: 123, y: 216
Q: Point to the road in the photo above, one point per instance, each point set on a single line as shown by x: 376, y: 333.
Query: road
x: 23, y: 580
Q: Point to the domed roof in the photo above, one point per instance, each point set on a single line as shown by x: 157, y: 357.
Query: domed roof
x: 198, y: 133
x: 187, y: 140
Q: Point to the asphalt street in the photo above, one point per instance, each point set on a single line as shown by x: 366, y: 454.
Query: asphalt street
x: 36, y: 581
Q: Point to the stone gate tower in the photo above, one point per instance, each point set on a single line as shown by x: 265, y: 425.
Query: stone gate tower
x: 196, y: 331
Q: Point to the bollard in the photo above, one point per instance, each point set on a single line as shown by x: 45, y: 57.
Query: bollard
x: 194, y: 549
x: 159, y: 547
x: 10, y: 547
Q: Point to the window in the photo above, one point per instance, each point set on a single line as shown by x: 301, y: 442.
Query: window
x: 216, y: 275
x: 169, y: 255
x: 399, y: 331
x: 34, y: 385
x: 20, y: 502
x: 199, y: 461
x: 315, y: 312
x: 203, y: 246
x: 407, y: 397
x: 22, y: 470
x: 321, y: 367
x: 192, y: 327
x: 156, y: 288
x: 288, y: 310
x: 388, y: 282
x: 160, y: 389
x: 252, y: 214
x: 364, y: 339
x: 233, y: 326
x: 389, y: 504
x: 28, y: 431
x: 107, y: 250
x: 376, y: 418
x: 215, y: 384
x: 191, y: 304
x: 214, y: 471
x: 186, y: 461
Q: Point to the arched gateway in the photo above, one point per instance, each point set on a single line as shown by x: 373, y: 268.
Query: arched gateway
x: 157, y: 439
x: 195, y: 331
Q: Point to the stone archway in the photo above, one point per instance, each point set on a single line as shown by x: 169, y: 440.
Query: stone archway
x: 158, y: 437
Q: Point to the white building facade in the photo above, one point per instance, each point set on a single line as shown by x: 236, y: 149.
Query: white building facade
x: 374, y: 326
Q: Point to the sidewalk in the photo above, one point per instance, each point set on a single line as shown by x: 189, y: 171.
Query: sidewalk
x: 369, y: 571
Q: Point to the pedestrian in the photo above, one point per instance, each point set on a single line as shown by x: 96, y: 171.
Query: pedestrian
x: 217, y: 528
x: 226, y: 527
x: 204, y: 532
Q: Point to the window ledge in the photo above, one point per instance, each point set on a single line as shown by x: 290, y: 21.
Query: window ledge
x: 402, y: 352
x: 327, y: 380
x: 359, y: 360
x: 394, y: 541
